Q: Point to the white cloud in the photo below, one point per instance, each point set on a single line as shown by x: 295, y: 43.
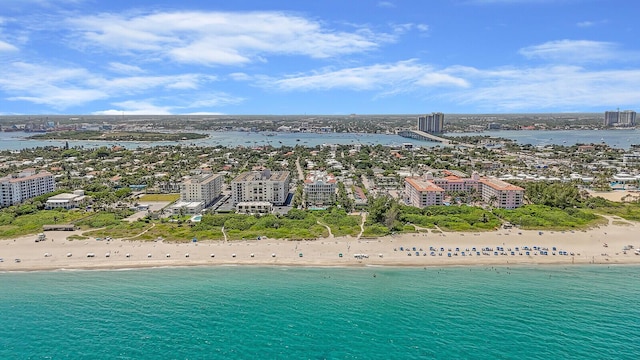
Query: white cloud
x: 126, y: 69
x: 403, y: 28
x: 577, y: 51
x: 549, y: 87
x: 214, y: 100
x: 148, y: 106
x: 5, y: 46
x: 219, y: 38
x: 66, y: 87
x: 386, y: 4
x: 585, y: 24
x: 402, y: 76
x: 136, y: 108
x: 239, y: 76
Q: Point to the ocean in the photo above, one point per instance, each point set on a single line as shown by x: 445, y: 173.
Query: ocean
x: 546, y: 312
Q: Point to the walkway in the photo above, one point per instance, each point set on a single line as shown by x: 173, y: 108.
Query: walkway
x: 142, y: 233
x: 300, y: 172
x: 328, y: 229
x: 364, y: 218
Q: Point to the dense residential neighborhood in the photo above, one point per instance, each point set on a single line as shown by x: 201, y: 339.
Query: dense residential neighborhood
x: 260, y: 179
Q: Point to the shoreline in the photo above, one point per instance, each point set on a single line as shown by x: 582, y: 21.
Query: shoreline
x: 598, y: 246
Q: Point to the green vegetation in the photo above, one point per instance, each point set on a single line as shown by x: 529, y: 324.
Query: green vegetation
x: 548, y: 218
x: 13, y: 225
x: 627, y: 211
x: 451, y: 218
x: 117, y: 136
x: 340, y: 223
x: 159, y: 197
x: 103, y: 219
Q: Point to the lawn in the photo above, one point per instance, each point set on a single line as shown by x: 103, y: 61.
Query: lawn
x: 159, y: 198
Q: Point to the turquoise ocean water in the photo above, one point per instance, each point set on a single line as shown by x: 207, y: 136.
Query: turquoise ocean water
x: 580, y: 312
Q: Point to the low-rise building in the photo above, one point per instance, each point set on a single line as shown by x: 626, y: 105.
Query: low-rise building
x: 67, y: 200
x: 421, y: 192
x: 187, y: 208
x: 254, y: 207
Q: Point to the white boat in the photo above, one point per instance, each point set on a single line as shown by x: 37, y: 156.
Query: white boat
x: 69, y: 254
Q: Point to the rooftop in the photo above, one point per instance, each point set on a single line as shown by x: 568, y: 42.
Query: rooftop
x: 423, y: 185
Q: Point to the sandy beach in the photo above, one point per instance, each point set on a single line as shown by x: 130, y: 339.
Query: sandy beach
x: 603, y: 245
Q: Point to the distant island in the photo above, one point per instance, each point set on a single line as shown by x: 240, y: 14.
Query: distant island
x: 117, y: 136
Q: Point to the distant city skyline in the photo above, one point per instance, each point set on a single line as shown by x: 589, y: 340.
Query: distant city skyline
x: 326, y: 57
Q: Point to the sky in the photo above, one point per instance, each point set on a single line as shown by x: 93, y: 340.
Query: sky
x: 328, y: 57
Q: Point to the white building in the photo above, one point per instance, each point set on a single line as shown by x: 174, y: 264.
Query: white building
x: 203, y: 188
x: 66, y: 200
x: 266, y: 185
x: 254, y: 207
x: 14, y: 189
x: 631, y: 158
x: 187, y: 207
x: 319, y: 188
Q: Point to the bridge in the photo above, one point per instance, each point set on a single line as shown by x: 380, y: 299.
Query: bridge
x: 424, y: 136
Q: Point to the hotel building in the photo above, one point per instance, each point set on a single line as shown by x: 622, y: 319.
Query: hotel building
x: 260, y: 186
x: 319, y: 188
x: 14, y: 189
x: 427, y: 191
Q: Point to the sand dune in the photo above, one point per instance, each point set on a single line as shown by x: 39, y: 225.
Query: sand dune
x: 603, y: 245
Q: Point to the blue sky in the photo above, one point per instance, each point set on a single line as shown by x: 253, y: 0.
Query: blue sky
x: 318, y: 57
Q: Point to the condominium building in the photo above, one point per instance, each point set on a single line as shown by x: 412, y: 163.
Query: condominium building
x: 203, y: 188
x: 501, y: 194
x: 319, y: 188
x: 611, y: 118
x: 433, y: 123
x: 14, y: 189
x: 266, y: 185
x: 426, y: 191
x: 420, y: 192
x: 626, y: 118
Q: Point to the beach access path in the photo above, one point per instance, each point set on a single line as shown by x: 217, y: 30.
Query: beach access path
x: 615, y: 243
